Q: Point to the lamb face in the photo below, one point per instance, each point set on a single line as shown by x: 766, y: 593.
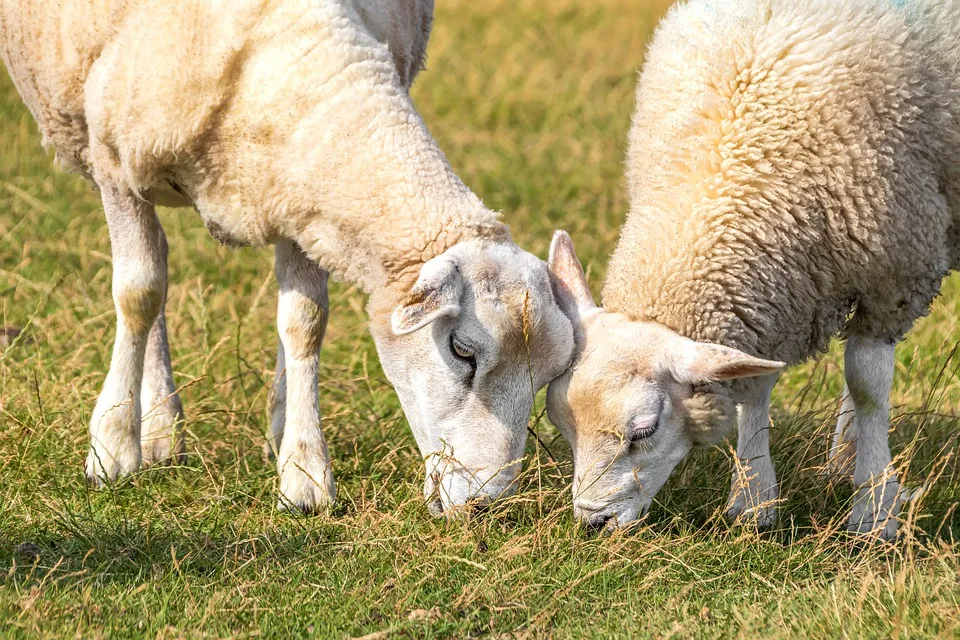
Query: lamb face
x: 475, y: 338
x: 628, y: 404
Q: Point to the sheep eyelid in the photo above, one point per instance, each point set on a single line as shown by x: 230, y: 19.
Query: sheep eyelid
x: 459, y: 349
x: 637, y: 433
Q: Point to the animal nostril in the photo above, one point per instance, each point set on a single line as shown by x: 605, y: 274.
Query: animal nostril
x: 435, y: 506
x: 478, y: 505
x: 599, y: 520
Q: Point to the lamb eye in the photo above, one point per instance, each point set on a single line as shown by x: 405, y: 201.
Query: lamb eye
x: 640, y: 427
x: 462, y: 351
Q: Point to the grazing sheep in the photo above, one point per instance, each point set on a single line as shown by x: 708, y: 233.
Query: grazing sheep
x: 288, y: 122
x: 794, y: 172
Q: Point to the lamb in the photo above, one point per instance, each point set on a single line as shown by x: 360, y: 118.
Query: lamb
x: 288, y: 122
x: 794, y: 173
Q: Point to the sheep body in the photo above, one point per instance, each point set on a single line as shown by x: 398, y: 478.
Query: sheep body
x: 289, y: 122
x: 203, y: 112
x: 791, y: 163
x: 794, y: 172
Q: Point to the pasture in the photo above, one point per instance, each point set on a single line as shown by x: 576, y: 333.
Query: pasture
x: 531, y: 100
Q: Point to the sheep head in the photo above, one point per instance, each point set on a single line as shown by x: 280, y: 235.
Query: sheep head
x: 635, y: 401
x: 467, y: 348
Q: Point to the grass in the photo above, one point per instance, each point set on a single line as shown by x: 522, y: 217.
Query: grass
x: 531, y: 101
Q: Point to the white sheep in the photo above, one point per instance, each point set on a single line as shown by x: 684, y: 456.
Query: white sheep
x: 288, y: 122
x: 794, y: 172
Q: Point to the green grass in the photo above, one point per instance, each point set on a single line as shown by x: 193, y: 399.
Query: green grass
x: 531, y: 101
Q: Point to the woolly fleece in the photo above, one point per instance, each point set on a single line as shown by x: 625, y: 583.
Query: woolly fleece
x: 790, y: 164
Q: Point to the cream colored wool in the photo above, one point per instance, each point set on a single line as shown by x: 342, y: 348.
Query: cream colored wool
x: 288, y: 122
x: 791, y: 163
x: 243, y: 106
x: 794, y: 173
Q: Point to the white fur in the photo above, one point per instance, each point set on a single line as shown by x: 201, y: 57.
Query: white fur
x: 753, y: 486
x: 289, y: 122
x: 793, y: 174
x: 138, y: 285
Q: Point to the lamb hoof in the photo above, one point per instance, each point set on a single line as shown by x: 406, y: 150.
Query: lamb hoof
x: 114, y: 451
x: 876, y: 509
x: 763, y: 517
x: 435, y: 507
x: 102, y: 468
x: 306, y: 490
x: 752, y: 507
x: 162, y: 438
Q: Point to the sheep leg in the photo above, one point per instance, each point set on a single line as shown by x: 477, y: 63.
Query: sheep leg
x: 868, y: 368
x: 841, y: 458
x: 161, y: 420
x: 277, y: 405
x: 753, y: 486
x: 139, y: 280
x: 306, y: 480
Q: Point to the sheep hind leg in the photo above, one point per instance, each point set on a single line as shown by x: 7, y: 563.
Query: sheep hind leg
x: 303, y: 462
x: 868, y: 369
x: 139, y: 280
x: 753, y: 487
x: 162, y: 419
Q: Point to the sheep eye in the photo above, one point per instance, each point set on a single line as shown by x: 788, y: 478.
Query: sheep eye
x: 640, y: 427
x: 462, y: 351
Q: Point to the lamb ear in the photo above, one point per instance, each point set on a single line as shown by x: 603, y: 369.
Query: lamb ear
x: 436, y: 294
x: 569, y: 282
x: 696, y: 362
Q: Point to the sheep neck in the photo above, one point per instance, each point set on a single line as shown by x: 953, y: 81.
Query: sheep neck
x: 411, y: 208
x: 389, y: 201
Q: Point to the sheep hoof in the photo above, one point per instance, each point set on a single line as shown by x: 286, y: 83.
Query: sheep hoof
x: 756, y: 510
x: 114, y: 450
x: 876, y: 509
x: 763, y: 517
x: 309, y: 491
x: 161, y: 439
x: 753, y: 499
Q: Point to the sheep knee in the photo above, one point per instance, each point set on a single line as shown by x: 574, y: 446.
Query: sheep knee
x: 302, y: 323
x: 139, y: 306
x: 303, y: 305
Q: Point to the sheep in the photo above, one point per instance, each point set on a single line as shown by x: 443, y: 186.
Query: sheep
x: 794, y: 174
x: 288, y: 122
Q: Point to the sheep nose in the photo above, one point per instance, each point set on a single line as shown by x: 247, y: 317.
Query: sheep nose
x: 598, y: 521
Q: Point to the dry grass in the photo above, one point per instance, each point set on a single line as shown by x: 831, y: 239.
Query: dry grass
x: 531, y: 100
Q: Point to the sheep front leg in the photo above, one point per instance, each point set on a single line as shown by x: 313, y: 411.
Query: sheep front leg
x: 139, y: 282
x: 306, y: 480
x: 161, y: 420
x: 277, y: 406
x: 868, y: 369
x: 753, y: 487
x: 841, y: 458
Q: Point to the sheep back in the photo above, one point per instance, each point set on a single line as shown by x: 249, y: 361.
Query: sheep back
x: 794, y: 169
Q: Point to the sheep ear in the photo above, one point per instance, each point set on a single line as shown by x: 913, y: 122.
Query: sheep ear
x: 698, y: 362
x: 569, y: 282
x: 436, y: 294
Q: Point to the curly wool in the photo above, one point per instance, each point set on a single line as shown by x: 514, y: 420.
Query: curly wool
x: 794, y: 169
x: 710, y: 415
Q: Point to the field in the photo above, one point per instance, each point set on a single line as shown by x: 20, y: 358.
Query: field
x: 531, y: 101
